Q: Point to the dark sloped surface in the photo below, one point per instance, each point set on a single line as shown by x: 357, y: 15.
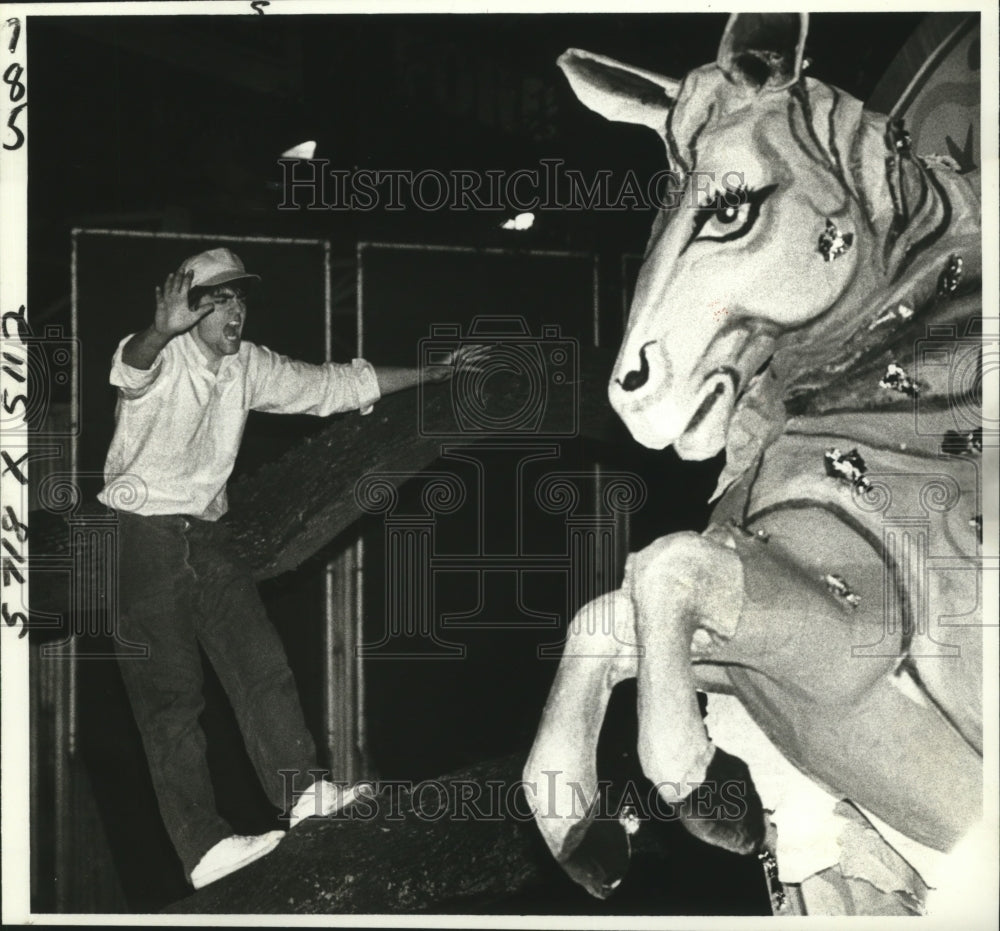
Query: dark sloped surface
x: 397, y: 854
x: 481, y: 859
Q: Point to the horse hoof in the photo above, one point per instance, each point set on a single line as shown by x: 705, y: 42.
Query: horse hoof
x: 725, y: 810
x: 596, y: 855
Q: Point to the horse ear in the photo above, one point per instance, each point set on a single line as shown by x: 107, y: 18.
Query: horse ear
x: 763, y: 50
x: 617, y: 91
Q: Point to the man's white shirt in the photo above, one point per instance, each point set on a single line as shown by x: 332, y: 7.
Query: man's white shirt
x: 178, y: 425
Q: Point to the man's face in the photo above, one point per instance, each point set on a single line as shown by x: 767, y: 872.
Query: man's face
x: 220, y: 331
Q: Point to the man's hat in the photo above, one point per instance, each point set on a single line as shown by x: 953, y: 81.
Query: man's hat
x: 216, y: 266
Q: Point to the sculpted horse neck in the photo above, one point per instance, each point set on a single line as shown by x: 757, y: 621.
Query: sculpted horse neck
x: 775, y: 321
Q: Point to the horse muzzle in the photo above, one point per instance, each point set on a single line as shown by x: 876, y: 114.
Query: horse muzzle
x: 692, y: 419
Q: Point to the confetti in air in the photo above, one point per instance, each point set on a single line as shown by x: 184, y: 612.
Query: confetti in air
x: 303, y: 150
x: 523, y: 221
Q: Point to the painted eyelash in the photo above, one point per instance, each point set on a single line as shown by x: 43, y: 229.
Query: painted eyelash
x: 722, y: 199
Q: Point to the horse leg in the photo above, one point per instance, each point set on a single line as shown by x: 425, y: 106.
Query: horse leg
x: 560, y: 774
x: 686, y: 590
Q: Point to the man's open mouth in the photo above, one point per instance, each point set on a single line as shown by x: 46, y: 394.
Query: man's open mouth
x: 232, y: 330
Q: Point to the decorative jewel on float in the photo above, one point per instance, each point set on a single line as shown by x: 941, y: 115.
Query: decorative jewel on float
x: 977, y: 524
x: 902, y: 142
x: 896, y: 379
x: 628, y: 818
x: 832, y: 243
x: 836, y: 585
x: 963, y: 444
x: 951, y: 276
x: 762, y: 535
x: 779, y: 899
x: 901, y: 312
x: 849, y: 467
x: 940, y: 161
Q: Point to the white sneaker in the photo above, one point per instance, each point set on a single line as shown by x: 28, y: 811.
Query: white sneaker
x: 324, y: 798
x: 231, y: 854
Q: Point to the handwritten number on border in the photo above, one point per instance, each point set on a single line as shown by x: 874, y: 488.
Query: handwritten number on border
x: 12, y: 78
x: 13, y: 560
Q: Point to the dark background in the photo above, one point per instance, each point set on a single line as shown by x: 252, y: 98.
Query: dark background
x: 178, y: 121
x: 175, y: 124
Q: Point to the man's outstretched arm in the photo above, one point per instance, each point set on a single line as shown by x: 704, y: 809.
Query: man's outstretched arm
x: 393, y: 378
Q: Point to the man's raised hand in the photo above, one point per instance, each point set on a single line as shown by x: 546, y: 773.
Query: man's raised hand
x: 173, y: 313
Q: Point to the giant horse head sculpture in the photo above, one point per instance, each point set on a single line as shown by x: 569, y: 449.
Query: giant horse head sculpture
x: 798, y: 212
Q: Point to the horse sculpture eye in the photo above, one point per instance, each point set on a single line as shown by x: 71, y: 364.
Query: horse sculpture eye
x: 726, y: 214
x: 729, y: 215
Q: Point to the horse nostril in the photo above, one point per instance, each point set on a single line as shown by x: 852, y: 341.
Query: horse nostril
x: 637, y: 378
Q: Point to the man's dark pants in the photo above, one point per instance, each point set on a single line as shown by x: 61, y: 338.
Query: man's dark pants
x: 181, y: 584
